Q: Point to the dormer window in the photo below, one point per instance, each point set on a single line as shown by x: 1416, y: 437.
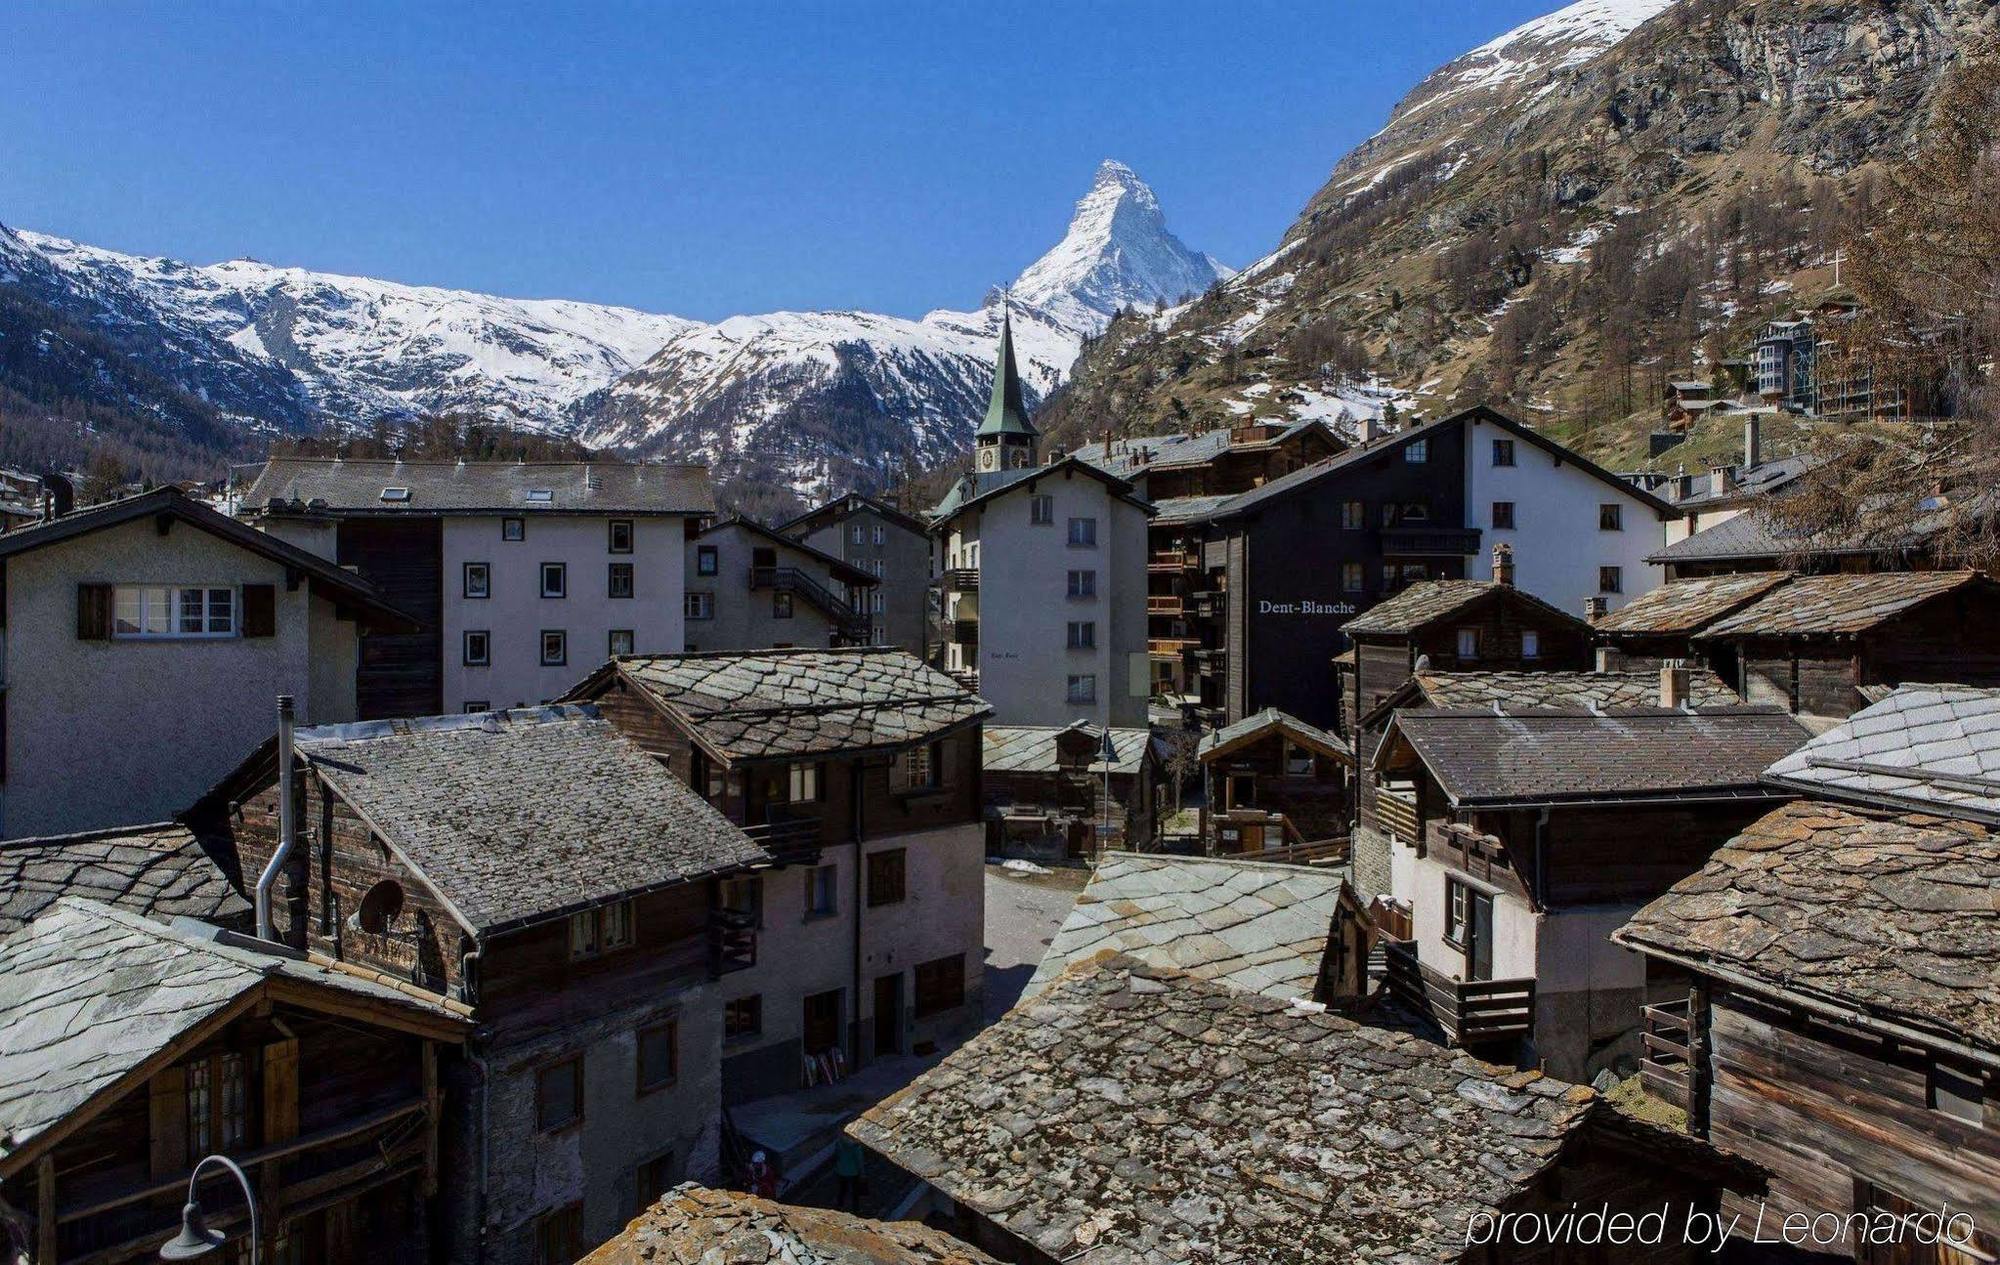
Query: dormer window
x: 395, y: 494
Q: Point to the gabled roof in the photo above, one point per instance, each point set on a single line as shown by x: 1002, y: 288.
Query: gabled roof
x: 171, y: 505
x: 1483, y: 760
x: 1132, y: 1115
x: 977, y: 489
x: 1748, y: 483
x: 1893, y: 918
x: 1686, y: 605
x: 1431, y: 601
x: 1253, y: 925
x: 1032, y: 748
x: 93, y: 999
x: 1175, y: 510
x: 837, y: 508
x: 786, y: 704
x: 693, y: 1224
x: 1820, y: 605
x: 1543, y: 691
x: 1006, y: 410
x: 842, y: 570
x: 1305, y: 477
x: 519, y: 817
x: 1259, y: 725
x: 1924, y: 748
x: 345, y: 486
x: 1137, y: 454
x: 159, y: 870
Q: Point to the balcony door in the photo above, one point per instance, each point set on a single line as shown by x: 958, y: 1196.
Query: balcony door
x: 1479, y: 937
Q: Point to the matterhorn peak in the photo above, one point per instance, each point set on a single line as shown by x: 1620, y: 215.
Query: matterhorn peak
x: 1117, y: 253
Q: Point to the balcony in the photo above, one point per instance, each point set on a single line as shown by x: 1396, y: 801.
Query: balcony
x: 1666, y: 1070
x: 849, y: 624
x: 1171, y: 647
x: 732, y: 941
x: 963, y: 631
x: 1165, y: 604
x: 1430, y: 542
x: 967, y: 677
x: 1172, y: 561
x: 1208, y: 604
x: 791, y: 838
x: 961, y: 580
x: 1472, y: 1012
x: 1396, y: 812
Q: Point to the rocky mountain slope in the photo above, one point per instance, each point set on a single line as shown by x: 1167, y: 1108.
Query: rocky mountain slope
x: 1606, y: 195
x: 820, y: 401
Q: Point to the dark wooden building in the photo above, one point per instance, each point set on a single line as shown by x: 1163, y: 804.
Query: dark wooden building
x: 1273, y: 783
x: 1659, y: 627
x: 1045, y: 790
x: 549, y: 874
x: 130, y: 1050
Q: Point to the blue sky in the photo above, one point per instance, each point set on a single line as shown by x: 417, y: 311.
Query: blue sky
x: 699, y: 160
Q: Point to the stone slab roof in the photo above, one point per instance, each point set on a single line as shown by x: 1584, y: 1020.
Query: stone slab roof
x: 159, y: 870
x: 347, y: 486
x: 1897, y: 914
x: 1541, y: 691
x: 1190, y: 509
x: 89, y: 993
x: 1428, y: 601
x: 1271, y: 720
x: 789, y: 703
x: 520, y: 816
x: 1927, y: 748
x: 1032, y: 748
x: 1129, y: 458
x: 1687, y: 605
x: 1135, y: 1115
x: 1824, y: 604
x: 971, y: 489
x: 1253, y: 925
x: 1481, y: 759
x: 693, y: 1225
x: 1761, y: 479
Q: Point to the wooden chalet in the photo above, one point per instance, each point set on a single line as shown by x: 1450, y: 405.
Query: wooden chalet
x: 1539, y: 830
x: 546, y: 872
x: 1045, y: 789
x: 131, y: 1049
x: 1276, y: 788
x: 1658, y: 627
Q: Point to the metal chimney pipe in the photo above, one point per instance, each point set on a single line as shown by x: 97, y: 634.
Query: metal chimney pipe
x: 269, y: 878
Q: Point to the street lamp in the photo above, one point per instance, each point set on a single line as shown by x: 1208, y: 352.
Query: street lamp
x: 1108, y: 752
x: 195, y: 1238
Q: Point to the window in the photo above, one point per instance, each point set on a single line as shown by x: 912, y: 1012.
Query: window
x: 1531, y: 644
x: 653, y: 1179
x: 1388, y: 514
x: 1083, y: 584
x: 699, y: 605
x: 881, y: 534
x: 940, y: 985
x: 156, y: 610
x: 621, y: 642
x: 1083, y: 634
x: 1415, y: 512
x: 1610, y: 580
x: 541, y: 496
x: 1298, y: 761
x: 1611, y: 517
x: 1353, y: 576
x: 555, y: 647
x: 1958, y: 1093
x: 600, y: 930
x: 706, y: 560
x: 200, y: 1098
x: 659, y: 1056
x: 559, y: 1094
x: 1083, y: 533
x: 805, y: 783
x: 916, y: 769
x: 781, y: 606
x: 1417, y: 452
x: 478, y: 648
x: 1457, y: 911
x: 744, y: 894
x: 1503, y: 515
x: 555, y: 579
x: 616, y: 921
x: 381, y: 905
x: 621, y: 535
x: 395, y: 494
x: 478, y: 580
x: 620, y: 581
x: 854, y: 533
x: 1353, y: 515
x: 559, y: 1236
x: 1468, y: 643
x: 875, y: 600
x: 477, y: 705
x: 887, y: 874
x: 743, y: 1017
x: 1041, y: 510
x: 1082, y: 689
x: 513, y: 529
x: 1503, y: 452
x: 823, y: 892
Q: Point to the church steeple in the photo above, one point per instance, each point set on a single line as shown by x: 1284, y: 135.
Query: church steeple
x: 1006, y: 438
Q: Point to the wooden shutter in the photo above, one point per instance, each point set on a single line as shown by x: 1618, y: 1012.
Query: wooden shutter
x: 260, y: 610
x: 93, y: 612
x: 281, y: 1091
x: 167, y: 1116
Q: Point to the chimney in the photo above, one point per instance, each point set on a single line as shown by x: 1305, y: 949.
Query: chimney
x: 58, y: 495
x: 1594, y: 609
x: 1673, y: 684
x: 1603, y: 663
x: 1503, y: 564
x: 1753, y: 445
x: 269, y: 878
x: 1107, y: 443
x: 1725, y: 478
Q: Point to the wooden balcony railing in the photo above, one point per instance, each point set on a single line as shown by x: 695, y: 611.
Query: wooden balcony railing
x: 964, y: 631
x: 791, y: 838
x: 1171, y: 647
x: 967, y: 677
x: 1666, y: 1070
x: 961, y: 580
x: 1165, y: 604
x: 1168, y: 561
x: 732, y: 941
x: 1472, y: 1012
x: 1430, y: 542
x: 1396, y: 812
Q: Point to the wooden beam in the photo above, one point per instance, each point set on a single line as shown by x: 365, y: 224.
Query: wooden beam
x: 45, y: 1208
x: 432, y: 1100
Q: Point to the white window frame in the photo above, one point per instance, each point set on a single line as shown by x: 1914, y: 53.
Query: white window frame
x: 465, y: 648
x: 157, y: 612
x: 699, y: 604
x: 1468, y: 643
x: 1417, y: 452
x: 1082, y: 585
x: 881, y: 534
x: 1083, y: 533
x: 1081, y: 687
x: 1082, y: 634
x: 1041, y: 510
x: 802, y: 782
x: 562, y: 647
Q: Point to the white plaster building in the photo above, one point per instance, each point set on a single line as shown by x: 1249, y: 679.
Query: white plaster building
x: 749, y: 588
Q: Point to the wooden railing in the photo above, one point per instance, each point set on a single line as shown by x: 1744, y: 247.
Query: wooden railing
x: 1397, y: 813
x: 1168, y: 560
x: 1165, y: 604
x: 1311, y: 852
x: 1171, y: 647
x: 964, y: 631
x: 790, y: 838
x: 848, y: 622
x: 732, y: 940
x: 1445, y: 542
x: 1667, y: 1070
x: 1472, y: 1012
x: 961, y: 579
x: 967, y: 677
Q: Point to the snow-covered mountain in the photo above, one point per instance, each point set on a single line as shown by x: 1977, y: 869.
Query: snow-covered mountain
x: 819, y: 401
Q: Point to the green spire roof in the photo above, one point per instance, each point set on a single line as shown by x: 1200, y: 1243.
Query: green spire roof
x: 1006, y: 414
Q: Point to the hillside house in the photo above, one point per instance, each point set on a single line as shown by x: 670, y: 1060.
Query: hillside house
x: 131, y: 1049
x: 1274, y: 784
x: 750, y: 588
x: 1045, y: 789
x: 894, y: 547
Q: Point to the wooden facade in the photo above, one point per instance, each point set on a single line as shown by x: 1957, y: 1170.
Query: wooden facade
x: 401, y: 674
x: 1280, y: 788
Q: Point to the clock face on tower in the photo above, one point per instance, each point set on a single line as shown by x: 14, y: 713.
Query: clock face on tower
x: 987, y: 457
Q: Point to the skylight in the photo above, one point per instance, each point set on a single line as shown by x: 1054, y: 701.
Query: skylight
x: 541, y: 496
x: 395, y: 494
